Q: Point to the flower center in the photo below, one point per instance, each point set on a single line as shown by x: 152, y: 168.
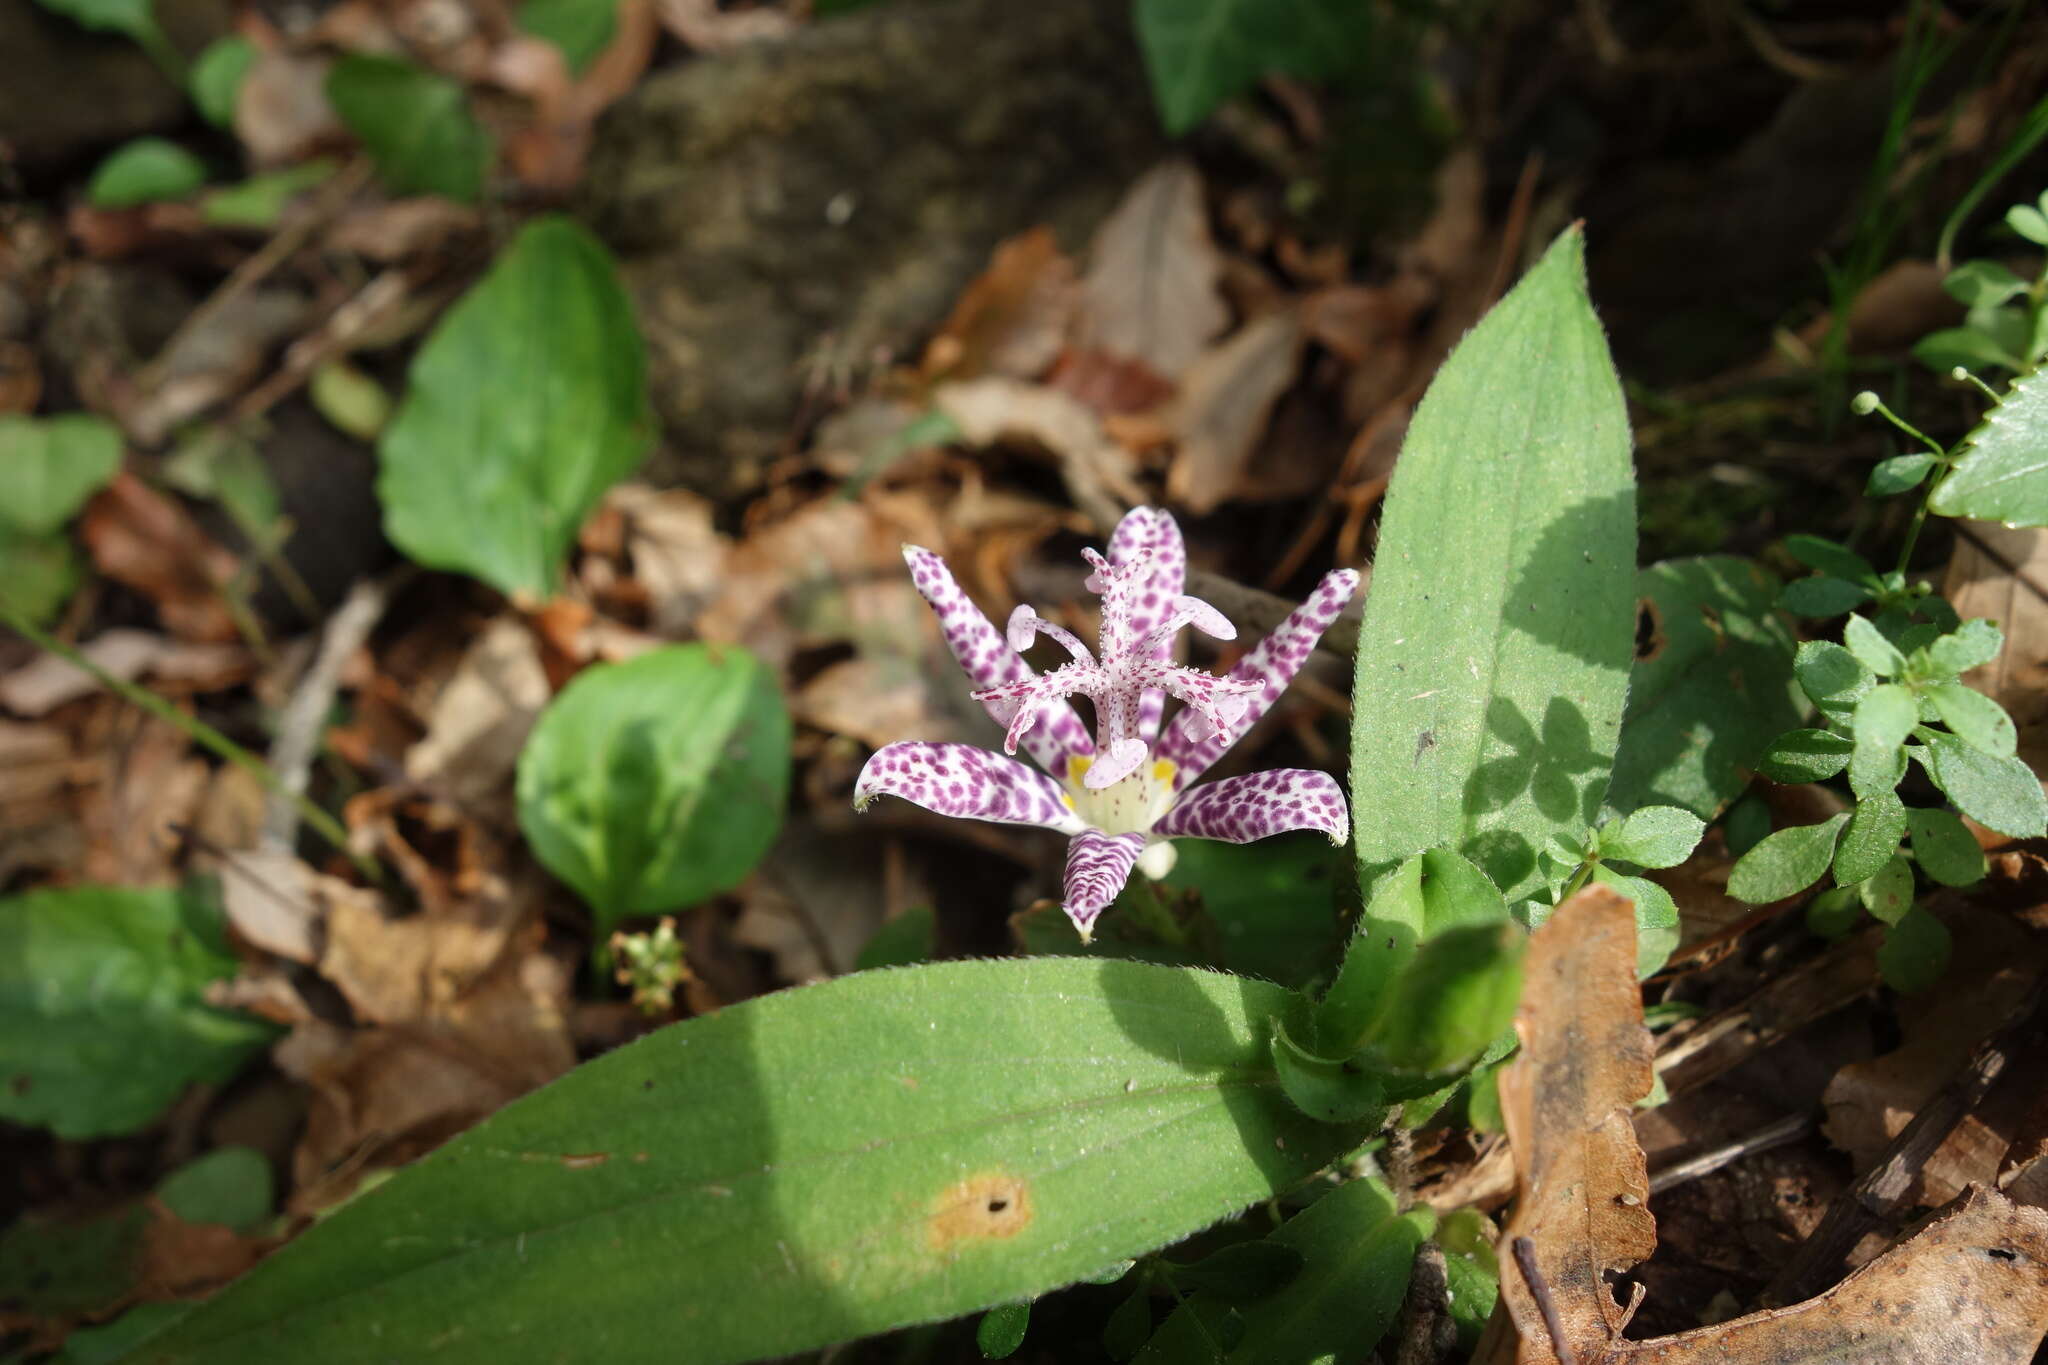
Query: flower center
x: 1129, y: 805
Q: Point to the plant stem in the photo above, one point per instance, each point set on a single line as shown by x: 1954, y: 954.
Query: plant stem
x: 199, y: 732
x: 1150, y: 903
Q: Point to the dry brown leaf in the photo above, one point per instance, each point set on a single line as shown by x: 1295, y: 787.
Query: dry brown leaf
x: 1971, y: 1285
x: 1567, y: 1100
x: 221, y: 353
x: 150, y: 781
x: 48, y: 681
x: 1150, y: 293
x: 1013, y: 319
x: 281, y: 113
x: 1226, y: 399
x: 480, y: 718
x: 149, y: 542
x: 1097, y: 470
x: 395, y: 229
x: 1994, y: 966
x: 269, y: 897
x: 548, y: 152
x: 706, y: 27
x: 672, y: 551
x: 2002, y: 572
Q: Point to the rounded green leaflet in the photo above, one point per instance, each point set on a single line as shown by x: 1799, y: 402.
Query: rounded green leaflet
x: 1914, y: 953
x: 145, y: 171
x: 1999, y: 793
x: 217, y: 75
x: 1872, y: 837
x: 49, y: 466
x: 1976, y: 719
x: 1945, y: 848
x: 1001, y: 1330
x: 652, y: 784
x: 1805, y: 756
x: 1655, y: 836
x: 1786, y: 863
x: 1889, y: 893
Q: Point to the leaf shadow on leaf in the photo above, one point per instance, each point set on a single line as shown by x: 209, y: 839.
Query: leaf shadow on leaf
x: 1165, y: 1033
x: 1559, y: 768
x: 1594, y: 627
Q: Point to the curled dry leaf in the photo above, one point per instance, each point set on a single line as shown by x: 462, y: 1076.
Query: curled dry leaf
x: 1097, y: 470
x: 281, y: 114
x: 1226, y: 399
x: 149, y: 542
x: 671, y: 550
x: 1150, y: 294
x: 1013, y: 319
x: 48, y: 681
x: 480, y: 718
x: 548, y: 152
x: 707, y: 27
x: 1567, y: 1100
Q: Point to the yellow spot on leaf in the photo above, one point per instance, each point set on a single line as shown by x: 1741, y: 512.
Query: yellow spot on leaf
x: 991, y: 1206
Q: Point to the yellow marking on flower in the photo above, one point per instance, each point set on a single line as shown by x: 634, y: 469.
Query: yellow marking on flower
x: 1078, y: 766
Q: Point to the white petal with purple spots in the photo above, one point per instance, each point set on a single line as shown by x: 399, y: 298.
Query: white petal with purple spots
x: 963, y: 781
x: 986, y: 657
x: 1269, y: 668
x: 1098, y: 865
x: 1155, y: 536
x: 1238, y: 810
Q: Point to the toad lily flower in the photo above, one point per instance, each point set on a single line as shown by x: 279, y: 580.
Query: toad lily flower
x: 1124, y: 792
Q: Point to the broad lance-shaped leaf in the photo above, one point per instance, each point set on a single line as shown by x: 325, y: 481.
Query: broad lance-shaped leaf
x: 1488, y: 699
x: 1710, y: 688
x: 2003, y: 476
x: 1201, y: 52
x: 887, y: 1148
x: 529, y: 400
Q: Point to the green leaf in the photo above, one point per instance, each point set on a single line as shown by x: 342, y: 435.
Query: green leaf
x: 2003, y: 474
x: 1200, y: 1331
x: 1125, y: 1334
x: 134, y: 18
x: 580, y: 29
x: 1834, y: 912
x: 1786, y: 863
x: 229, y: 1185
x: 1432, y: 892
x: 1488, y: 700
x: 1821, y: 596
x: 1982, y: 284
x: 416, y: 125
x: 1889, y: 893
x: 220, y: 464
x: 1805, y: 756
x: 1273, y: 902
x: 1977, y: 720
x: 1657, y: 927
x: 1884, y: 718
x: 38, y: 573
x: 1999, y: 793
x: 1914, y: 953
x: 1746, y: 824
x: 1002, y: 1329
x: 1870, y: 839
x: 1967, y: 347
x: 49, y: 466
x: 526, y: 404
x: 1357, y: 1252
x: 69, y: 1268
x: 350, y: 400
x: 1972, y: 644
x: 1872, y: 649
x: 2028, y: 221
x: 103, y: 1020
x: 900, y: 942
x: 111, y: 1342
x: 145, y: 171
x: 1828, y: 556
x: 1945, y: 848
x: 1471, y: 1273
x: 260, y: 201
x: 806, y: 1167
x: 1709, y: 689
x: 1327, y: 1089
x: 1832, y: 677
x: 653, y: 784
x: 1243, y: 1273
x: 1899, y: 474
x: 1452, y: 1001
x: 217, y: 76
x: 1199, y: 53
x: 1655, y: 836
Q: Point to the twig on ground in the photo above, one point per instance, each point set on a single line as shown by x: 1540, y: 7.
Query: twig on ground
x: 1771, y: 1135
x: 298, y: 726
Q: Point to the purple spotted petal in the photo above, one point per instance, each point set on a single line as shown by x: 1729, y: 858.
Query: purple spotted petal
x: 1272, y: 665
x: 971, y: 783
x: 987, y: 658
x: 1152, y: 532
x: 1098, y: 865
x: 1238, y: 810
